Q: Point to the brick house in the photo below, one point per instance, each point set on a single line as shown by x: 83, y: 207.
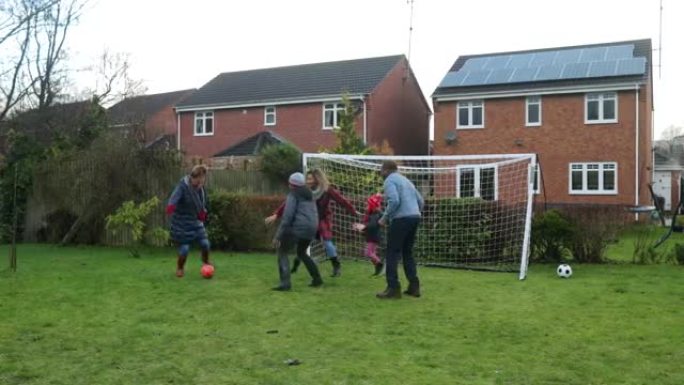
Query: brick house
x: 586, y: 111
x: 153, y: 114
x: 301, y: 104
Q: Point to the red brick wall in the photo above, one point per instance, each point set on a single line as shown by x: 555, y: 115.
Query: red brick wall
x: 300, y: 124
x: 162, y: 123
x: 562, y: 138
x: 398, y: 113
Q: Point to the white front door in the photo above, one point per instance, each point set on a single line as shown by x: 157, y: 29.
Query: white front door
x: 662, y: 185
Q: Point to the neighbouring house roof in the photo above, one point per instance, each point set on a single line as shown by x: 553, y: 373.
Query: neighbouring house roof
x: 252, y: 145
x: 299, y: 82
x: 593, y: 64
x: 58, y: 118
x: 136, y: 109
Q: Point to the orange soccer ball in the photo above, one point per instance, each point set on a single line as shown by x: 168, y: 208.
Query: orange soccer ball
x: 207, y: 271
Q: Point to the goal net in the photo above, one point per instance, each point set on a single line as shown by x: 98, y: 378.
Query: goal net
x: 477, y: 212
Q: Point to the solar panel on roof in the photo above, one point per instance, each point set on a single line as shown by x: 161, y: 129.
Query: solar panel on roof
x: 620, y: 52
x: 453, y: 79
x: 523, y: 75
x: 634, y: 66
x: 602, y: 68
x: 520, y: 61
x: 549, y: 72
x: 475, y: 77
x: 575, y: 71
x: 593, y: 54
x: 543, y: 59
x: 567, y: 56
x: 497, y: 62
x: 499, y: 76
x: 475, y: 64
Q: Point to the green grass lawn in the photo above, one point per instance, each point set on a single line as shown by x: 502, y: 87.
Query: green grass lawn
x: 97, y: 316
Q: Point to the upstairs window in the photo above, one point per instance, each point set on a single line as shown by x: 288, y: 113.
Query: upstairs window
x: 533, y: 111
x: 470, y: 114
x: 269, y: 116
x: 331, y: 115
x: 204, y: 123
x: 601, y: 108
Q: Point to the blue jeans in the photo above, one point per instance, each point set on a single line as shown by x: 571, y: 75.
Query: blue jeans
x: 330, y: 249
x: 402, y: 236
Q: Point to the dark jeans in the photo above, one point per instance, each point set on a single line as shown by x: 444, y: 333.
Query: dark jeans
x: 284, y: 262
x: 402, y: 236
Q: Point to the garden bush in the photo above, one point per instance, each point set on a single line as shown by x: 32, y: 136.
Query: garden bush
x: 551, y: 235
x: 236, y: 221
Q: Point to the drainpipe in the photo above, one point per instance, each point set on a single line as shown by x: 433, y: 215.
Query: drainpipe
x: 365, y: 121
x: 178, y: 135
x: 636, y: 140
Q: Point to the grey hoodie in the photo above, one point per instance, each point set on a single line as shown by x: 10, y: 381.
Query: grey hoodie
x: 300, y: 216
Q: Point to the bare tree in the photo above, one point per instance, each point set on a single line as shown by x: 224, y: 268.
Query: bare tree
x: 46, y: 73
x: 672, y: 132
x: 113, y: 80
x: 17, y: 19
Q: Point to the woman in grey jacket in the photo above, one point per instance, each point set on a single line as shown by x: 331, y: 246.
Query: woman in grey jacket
x: 298, y: 227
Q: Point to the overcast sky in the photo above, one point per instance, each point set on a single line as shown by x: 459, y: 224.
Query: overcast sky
x: 177, y: 44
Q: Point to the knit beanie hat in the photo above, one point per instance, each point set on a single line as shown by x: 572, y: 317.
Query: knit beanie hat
x: 297, y: 179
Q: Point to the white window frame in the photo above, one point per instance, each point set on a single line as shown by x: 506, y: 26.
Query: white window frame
x: 469, y: 105
x: 269, y: 111
x: 535, y: 171
x: 602, y: 167
x: 337, y: 108
x: 204, y: 116
x: 533, y: 100
x: 600, y: 97
x: 477, y: 173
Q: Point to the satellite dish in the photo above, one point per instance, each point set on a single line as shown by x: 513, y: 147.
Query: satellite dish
x: 450, y: 137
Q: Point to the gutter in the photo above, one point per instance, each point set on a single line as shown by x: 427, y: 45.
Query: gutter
x: 365, y: 122
x: 533, y: 91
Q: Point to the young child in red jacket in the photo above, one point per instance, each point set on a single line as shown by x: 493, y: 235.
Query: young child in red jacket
x: 372, y: 230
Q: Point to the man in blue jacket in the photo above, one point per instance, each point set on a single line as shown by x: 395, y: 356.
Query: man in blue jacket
x: 404, y: 204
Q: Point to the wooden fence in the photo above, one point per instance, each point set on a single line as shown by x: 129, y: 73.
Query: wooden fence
x: 238, y: 181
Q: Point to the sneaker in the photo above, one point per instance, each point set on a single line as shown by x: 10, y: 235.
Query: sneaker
x: 180, y: 273
x: 379, y: 268
x: 390, y: 294
x: 316, y: 283
x: 413, y: 290
x: 281, y: 288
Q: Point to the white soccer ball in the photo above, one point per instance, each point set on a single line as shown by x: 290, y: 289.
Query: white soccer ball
x: 564, y: 271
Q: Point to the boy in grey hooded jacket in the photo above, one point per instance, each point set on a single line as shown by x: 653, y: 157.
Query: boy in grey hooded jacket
x: 298, y: 227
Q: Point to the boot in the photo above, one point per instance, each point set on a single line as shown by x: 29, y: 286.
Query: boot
x: 180, y: 264
x: 413, y: 289
x: 378, y: 268
x: 295, y: 265
x: 316, y: 281
x: 390, y: 293
x: 281, y: 288
x: 337, y: 268
x: 205, y: 257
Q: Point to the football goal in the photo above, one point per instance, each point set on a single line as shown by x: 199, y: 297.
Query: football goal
x: 477, y: 214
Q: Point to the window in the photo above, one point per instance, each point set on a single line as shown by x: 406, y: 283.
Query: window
x: 536, y: 178
x: 204, y: 123
x: 601, y: 108
x: 593, y: 178
x: 331, y: 115
x: 269, y: 116
x: 477, y: 181
x: 470, y: 114
x: 533, y: 111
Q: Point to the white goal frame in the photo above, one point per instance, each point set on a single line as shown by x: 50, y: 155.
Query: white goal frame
x: 487, y: 160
